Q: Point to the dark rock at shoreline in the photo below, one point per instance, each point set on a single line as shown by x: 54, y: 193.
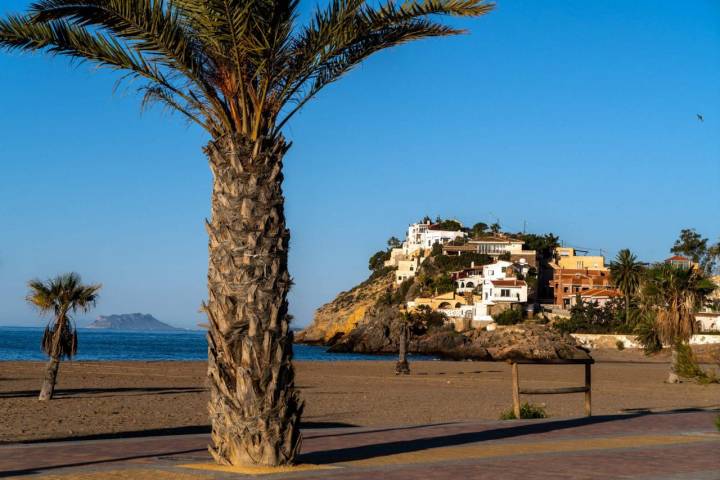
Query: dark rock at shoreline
x: 536, y: 342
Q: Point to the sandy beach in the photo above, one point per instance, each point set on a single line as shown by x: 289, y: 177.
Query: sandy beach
x: 105, y: 398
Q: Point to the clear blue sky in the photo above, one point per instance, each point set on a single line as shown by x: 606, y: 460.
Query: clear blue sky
x: 577, y: 117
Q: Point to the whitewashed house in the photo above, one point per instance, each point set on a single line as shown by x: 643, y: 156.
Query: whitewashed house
x: 497, y: 270
x: 508, y: 290
x: 407, y: 269
x: 420, y: 238
x: 425, y: 235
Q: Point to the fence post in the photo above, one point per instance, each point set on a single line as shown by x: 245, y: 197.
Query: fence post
x: 516, y: 390
x: 588, y: 392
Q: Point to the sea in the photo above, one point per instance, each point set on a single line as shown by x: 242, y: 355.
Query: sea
x: 23, y: 343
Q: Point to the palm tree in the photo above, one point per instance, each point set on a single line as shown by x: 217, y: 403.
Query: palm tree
x: 60, y: 296
x: 402, y: 367
x: 240, y: 69
x: 673, y: 295
x: 626, y: 274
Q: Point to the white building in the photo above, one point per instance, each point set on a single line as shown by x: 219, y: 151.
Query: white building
x: 504, y: 290
x: 468, y: 283
x: 420, y: 238
x: 407, y: 269
x: 474, y: 277
x: 497, y: 270
x: 425, y: 235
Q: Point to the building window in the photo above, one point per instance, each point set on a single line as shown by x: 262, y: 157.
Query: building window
x: 504, y: 292
x: 565, y: 289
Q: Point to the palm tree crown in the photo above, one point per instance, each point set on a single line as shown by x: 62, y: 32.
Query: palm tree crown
x: 231, y: 66
x: 626, y: 274
x: 626, y: 271
x: 59, y: 296
x: 675, y: 294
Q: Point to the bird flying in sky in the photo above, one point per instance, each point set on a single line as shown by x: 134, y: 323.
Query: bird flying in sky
x: 700, y: 117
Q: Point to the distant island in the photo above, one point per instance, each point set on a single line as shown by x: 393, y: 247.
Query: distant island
x: 131, y: 321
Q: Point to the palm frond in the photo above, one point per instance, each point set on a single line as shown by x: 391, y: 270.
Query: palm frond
x: 149, y: 28
x: 349, y: 31
x: 62, y: 294
x: 232, y: 66
x: 60, y: 37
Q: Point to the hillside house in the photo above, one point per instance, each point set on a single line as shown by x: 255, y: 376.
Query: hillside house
x: 680, y: 261
x: 568, y: 282
x: 598, y: 296
x: 567, y: 258
x: 509, y: 290
x: 426, y: 235
x: 407, y: 269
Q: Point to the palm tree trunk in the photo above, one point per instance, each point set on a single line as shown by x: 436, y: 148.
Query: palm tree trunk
x: 673, y: 377
x: 254, y: 406
x: 627, y: 309
x: 402, y: 367
x: 48, y: 386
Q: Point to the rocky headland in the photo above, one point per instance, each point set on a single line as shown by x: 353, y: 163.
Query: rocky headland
x: 131, y: 321
x: 366, y: 319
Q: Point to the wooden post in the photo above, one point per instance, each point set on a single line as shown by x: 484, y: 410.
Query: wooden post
x: 588, y: 392
x: 516, y: 390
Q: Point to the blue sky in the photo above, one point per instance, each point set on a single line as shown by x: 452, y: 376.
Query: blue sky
x: 576, y: 117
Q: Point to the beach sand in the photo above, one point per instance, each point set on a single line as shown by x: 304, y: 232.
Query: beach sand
x: 103, y: 398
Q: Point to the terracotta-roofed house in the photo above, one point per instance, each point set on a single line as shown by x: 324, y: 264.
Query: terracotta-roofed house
x: 568, y: 282
x: 508, y: 290
x: 679, y: 261
x: 599, y: 296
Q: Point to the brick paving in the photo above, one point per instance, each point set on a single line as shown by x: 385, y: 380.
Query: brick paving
x: 669, y: 446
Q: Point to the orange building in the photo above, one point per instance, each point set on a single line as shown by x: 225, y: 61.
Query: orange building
x: 567, y: 282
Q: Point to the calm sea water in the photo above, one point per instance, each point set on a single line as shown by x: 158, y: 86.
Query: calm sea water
x: 21, y: 343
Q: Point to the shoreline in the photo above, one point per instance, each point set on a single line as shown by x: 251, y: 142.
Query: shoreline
x: 708, y: 355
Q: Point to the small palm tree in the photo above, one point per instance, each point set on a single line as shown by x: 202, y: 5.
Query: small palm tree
x: 59, y: 297
x: 674, y: 295
x: 240, y: 69
x: 412, y: 324
x: 626, y: 274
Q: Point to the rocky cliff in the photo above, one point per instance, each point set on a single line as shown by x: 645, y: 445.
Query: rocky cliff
x: 346, y: 311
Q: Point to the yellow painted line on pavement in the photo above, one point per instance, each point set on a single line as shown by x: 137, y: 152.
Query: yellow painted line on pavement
x: 249, y: 470
x: 129, y: 474
x: 485, y: 450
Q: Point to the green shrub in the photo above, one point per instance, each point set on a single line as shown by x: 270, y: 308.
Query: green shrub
x: 647, y: 334
x: 588, y: 317
x: 378, y: 259
x: 620, y: 345
x: 527, y: 410
x: 510, y: 316
x: 449, y: 225
x: 453, y: 263
x: 688, y: 367
x: 399, y: 296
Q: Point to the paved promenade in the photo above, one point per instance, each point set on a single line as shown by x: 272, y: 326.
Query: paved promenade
x: 672, y: 446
